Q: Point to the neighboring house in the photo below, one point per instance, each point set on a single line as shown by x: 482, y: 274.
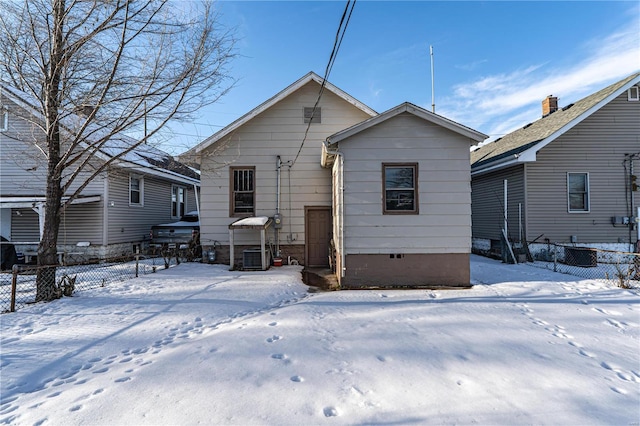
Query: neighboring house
x: 115, y: 211
x: 570, y: 176
x: 402, y: 200
x: 275, y: 162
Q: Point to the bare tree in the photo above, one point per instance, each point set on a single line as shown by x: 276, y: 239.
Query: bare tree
x: 121, y: 63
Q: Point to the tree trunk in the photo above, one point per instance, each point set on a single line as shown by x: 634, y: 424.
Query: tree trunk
x: 46, y: 288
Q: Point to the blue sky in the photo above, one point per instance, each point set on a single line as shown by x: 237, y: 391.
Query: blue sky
x: 494, y: 61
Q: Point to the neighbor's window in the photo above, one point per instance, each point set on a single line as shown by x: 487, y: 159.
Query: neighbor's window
x: 136, y: 190
x: 400, y: 188
x: 578, y: 192
x: 633, y: 94
x: 243, y: 195
x: 4, y: 119
x: 178, y: 201
x: 311, y: 116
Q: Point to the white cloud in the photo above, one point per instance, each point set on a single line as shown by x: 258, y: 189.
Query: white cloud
x: 500, y: 103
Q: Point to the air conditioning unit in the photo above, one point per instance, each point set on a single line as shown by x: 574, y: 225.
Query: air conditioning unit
x: 252, y: 258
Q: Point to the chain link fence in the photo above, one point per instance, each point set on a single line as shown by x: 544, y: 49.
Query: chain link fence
x: 618, y: 268
x: 19, y: 286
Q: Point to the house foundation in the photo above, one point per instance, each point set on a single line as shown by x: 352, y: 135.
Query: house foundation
x: 406, y: 270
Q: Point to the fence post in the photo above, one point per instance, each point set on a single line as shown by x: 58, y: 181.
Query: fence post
x: 555, y: 258
x: 14, y: 285
x: 137, y: 260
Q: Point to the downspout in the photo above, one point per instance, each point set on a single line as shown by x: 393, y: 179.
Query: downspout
x: 340, y: 167
x: 195, y: 193
x: 105, y: 213
x: 276, y: 229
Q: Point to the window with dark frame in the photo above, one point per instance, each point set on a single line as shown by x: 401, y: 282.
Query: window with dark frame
x: 400, y: 192
x: 242, y: 191
x: 311, y: 116
x: 578, y: 192
x: 178, y: 201
x: 136, y: 189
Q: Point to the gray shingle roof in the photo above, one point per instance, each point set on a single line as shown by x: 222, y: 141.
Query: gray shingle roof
x: 536, y: 132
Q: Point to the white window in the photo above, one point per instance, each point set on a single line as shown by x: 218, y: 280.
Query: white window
x: 578, y: 192
x: 136, y: 190
x: 178, y: 201
x: 4, y: 119
x: 633, y: 94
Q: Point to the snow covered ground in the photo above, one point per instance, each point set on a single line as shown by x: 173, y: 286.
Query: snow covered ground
x: 197, y: 344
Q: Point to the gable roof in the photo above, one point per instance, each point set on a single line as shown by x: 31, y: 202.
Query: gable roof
x: 522, y: 145
x: 311, y: 76
x: 468, y: 132
x: 142, y: 158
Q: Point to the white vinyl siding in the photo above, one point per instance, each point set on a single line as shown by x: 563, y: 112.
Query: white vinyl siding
x: 279, y: 130
x: 443, y: 224
x: 578, y: 192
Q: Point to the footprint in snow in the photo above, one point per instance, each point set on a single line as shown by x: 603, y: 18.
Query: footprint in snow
x: 273, y: 324
x: 330, y: 412
x: 297, y: 379
x: 618, y: 390
x: 274, y: 338
x: 279, y: 356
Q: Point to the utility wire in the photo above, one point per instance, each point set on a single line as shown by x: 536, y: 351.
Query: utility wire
x: 346, y: 17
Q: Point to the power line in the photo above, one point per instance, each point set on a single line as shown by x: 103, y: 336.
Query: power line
x: 346, y: 17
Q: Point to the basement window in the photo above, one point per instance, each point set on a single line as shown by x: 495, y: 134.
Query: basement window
x: 400, y: 188
x: 633, y: 94
x: 311, y: 116
x: 578, y: 192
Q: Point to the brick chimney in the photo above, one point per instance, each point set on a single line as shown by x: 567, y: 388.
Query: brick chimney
x: 549, y: 105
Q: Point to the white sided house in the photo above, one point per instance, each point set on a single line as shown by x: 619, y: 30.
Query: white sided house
x: 265, y: 164
x: 401, y: 192
x: 112, y: 216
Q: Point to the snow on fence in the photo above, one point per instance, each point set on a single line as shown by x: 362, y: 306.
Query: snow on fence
x: 619, y: 268
x: 18, y: 287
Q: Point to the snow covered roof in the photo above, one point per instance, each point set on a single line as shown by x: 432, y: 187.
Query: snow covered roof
x: 251, y: 222
x: 143, y: 158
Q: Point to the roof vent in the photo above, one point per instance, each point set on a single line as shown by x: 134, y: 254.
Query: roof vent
x: 549, y: 105
x: 567, y: 107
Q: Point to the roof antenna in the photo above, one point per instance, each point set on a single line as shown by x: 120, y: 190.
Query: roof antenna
x: 433, y: 96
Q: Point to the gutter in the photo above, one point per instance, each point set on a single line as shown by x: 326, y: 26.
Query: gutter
x: 504, y: 162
